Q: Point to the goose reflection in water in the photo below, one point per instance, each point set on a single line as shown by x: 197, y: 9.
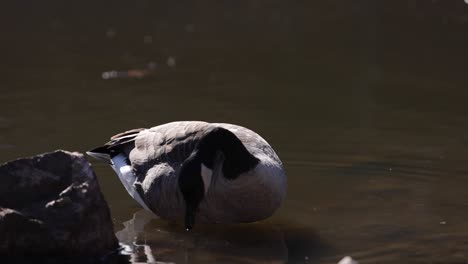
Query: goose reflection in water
x: 129, y: 237
x: 147, y: 240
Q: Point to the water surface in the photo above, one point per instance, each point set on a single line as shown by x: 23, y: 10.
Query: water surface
x: 364, y: 101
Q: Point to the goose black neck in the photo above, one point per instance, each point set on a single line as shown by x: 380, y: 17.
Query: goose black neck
x: 191, y: 187
x: 237, y: 159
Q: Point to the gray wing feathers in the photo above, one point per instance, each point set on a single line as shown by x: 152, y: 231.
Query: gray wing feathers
x: 173, y: 142
x: 159, y: 187
x: 156, y: 159
x: 128, y: 133
x: 170, y: 143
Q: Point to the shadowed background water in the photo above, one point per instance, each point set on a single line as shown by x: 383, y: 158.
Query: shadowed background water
x: 364, y: 101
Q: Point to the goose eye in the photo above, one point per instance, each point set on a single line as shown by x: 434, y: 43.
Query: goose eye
x: 206, y: 174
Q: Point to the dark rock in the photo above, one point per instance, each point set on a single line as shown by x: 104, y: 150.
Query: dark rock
x: 52, y: 204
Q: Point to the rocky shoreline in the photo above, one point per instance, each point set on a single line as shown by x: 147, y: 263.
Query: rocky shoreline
x: 51, y: 204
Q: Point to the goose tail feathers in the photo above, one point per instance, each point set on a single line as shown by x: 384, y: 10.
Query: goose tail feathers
x: 100, y: 153
x: 117, y: 143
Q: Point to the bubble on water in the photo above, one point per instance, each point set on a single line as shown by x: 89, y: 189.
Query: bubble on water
x: 148, y: 39
x: 152, y: 65
x: 110, y: 33
x: 171, y: 62
x: 190, y: 27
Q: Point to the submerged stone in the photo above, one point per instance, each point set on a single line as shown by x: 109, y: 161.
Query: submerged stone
x: 52, y: 204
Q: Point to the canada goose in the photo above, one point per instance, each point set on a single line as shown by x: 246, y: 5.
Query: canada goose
x: 192, y: 170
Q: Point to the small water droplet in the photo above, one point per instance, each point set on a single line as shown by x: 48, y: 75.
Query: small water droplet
x: 110, y: 33
x: 147, y: 39
x: 171, y: 62
x: 189, y: 28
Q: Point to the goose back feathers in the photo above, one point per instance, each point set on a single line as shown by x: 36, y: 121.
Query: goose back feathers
x: 198, y: 171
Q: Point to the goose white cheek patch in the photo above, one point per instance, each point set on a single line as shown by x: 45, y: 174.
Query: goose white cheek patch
x: 206, y: 176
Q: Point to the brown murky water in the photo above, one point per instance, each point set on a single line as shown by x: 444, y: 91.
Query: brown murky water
x: 364, y: 101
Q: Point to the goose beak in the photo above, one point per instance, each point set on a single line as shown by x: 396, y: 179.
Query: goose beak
x: 189, y: 219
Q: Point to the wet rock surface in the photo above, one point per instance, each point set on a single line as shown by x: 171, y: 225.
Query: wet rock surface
x: 52, y: 204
